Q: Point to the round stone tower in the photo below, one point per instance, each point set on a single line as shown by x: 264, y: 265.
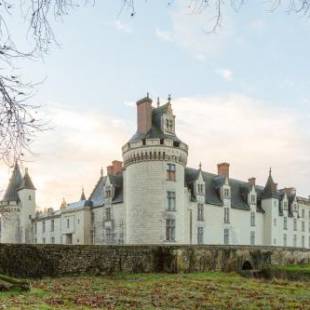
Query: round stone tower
x: 154, y: 193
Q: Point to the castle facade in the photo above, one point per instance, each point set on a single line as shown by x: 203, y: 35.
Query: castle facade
x: 152, y: 197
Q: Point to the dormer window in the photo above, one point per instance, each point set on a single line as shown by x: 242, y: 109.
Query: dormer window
x: 285, y: 205
x: 200, y: 189
x: 295, y: 207
x: 226, y: 193
x: 169, y: 125
x: 108, y: 192
x: 253, y: 198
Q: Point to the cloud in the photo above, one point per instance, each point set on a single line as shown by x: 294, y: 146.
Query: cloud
x: 119, y: 25
x: 164, y: 35
x: 249, y: 133
x: 192, y: 30
x: 226, y: 74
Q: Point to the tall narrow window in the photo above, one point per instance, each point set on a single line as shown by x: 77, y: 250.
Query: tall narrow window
x: 200, y: 215
x: 253, y: 198
x: 295, y: 224
x: 52, y: 240
x: 170, y: 230
x: 226, y: 216
x: 303, y: 213
x: 226, y: 236
x: 52, y: 225
x: 43, y: 226
x: 200, y: 189
x: 252, y: 238
x: 109, y: 235
x: 285, y: 223
x: 303, y: 241
x: 171, y: 201
x: 108, y: 214
x: 252, y: 219
x: 171, y: 172
x: 68, y: 223
x: 303, y: 226
x: 295, y: 241
x: 285, y: 206
x: 285, y: 240
x: 200, y: 235
x: 226, y: 193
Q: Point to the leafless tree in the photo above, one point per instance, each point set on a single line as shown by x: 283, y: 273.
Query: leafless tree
x: 18, y: 118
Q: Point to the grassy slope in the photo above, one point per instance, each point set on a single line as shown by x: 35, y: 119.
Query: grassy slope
x: 160, y: 291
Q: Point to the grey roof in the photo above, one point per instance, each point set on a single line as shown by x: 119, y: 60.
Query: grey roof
x: 97, y: 196
x: 270, y: 190
x: 213, y: 182
x: 155, y: 132
x: 14, y: 184
x: 27, y: 182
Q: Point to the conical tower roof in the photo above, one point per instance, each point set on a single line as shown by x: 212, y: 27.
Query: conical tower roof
x: 14, y: 184
x: 27, y: 182
x: 270, y: 190
x: 83, y: 197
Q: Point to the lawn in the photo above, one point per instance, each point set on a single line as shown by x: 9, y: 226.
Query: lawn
x: 160, y: 291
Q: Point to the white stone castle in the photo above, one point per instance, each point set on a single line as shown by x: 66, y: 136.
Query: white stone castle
x: 152, y: 197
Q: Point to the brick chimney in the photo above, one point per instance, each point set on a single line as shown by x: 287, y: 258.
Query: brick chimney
x: 223, y: 169
x: 115, y: 168
x: 252, y: 181
x: 144, y: 111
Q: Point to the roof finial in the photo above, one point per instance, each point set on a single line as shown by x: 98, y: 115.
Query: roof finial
x: 83, y: 197
x: 169, y: 98
x: 270, y: 171
x: 200, y: 166
x: 147, y: 95
x: 158, y: 102
x: 101, y: 172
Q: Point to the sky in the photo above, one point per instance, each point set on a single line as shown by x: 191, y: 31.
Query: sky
x: 240, y: 94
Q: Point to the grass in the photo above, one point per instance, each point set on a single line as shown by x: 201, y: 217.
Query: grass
x: 160, y: 291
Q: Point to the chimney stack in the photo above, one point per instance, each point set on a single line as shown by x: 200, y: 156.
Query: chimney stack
x: 115, y: 168
x: 144, y: 111
x: 223, y: 169
x: 252, y: 181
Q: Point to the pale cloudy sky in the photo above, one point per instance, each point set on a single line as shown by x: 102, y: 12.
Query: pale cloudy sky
x: 240, y: 95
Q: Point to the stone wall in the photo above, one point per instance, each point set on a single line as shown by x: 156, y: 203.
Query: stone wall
x: 54, y: 260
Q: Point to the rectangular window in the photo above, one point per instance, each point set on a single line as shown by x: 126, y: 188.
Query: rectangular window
x: 43, y: 226
x: 200, y: 235
x: 108, y: 193
x: 295, y: 241
x: 68, y: 223
x: 52, y: 225
x: 200, y: 189
x: 303, y: 213
x: 303, y: 241
x: 109, y: 236
x: 171, y: 172
x: 226, y: 216
x: 43, y: 240
x: 274, y: 222
x: 170, y: 230
x: 295, y: 224
x: 303, y: 226
x: 53, y: 240
x: 252, y: 219
x: 253, y: 198
x: 200, y: 215
x: 285, y: 240
x: 285, y: 206
x: 171, y: 199
x: 285, y: 223
x: 252, y: 238
x: 226, y: 193
x: 226, y: 236
x: 35, y: 227
x: 108, y: 214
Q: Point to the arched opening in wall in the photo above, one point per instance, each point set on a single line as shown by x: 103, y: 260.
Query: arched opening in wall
x: 247, y: 266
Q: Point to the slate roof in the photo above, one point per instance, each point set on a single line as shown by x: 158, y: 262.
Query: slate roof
x: 270, y: 190
x: 27, y: 182
x: 97, y: 196
x: 213, y: 182
x: 14, y: 184
x: 155, y: 132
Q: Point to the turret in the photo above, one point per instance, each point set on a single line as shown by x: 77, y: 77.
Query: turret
x: 18, y: 208
x: 270, y: 204
x: 154, y: 164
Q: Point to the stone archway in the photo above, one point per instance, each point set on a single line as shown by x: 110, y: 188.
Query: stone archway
x: 247, y: 266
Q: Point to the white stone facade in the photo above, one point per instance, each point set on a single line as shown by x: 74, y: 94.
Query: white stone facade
x: 154, y: 198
